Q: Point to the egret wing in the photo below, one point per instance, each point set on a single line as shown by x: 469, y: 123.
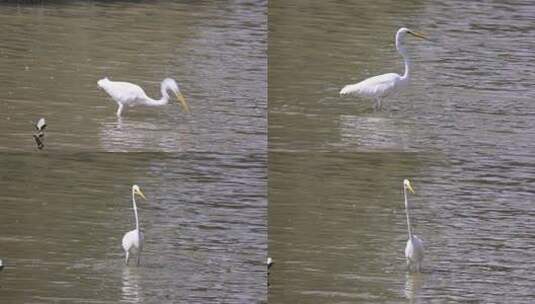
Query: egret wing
x: 377, y: 86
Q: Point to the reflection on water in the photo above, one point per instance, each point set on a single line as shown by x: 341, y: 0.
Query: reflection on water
x: 413, y: 284
x: 372, y: 133
x: 131, y: 290
x: 131, y: 135
x: 463, y: 131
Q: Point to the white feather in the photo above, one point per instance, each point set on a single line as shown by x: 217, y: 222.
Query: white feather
x: 374, y: 87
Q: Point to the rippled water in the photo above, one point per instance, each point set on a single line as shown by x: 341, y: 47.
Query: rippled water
x: 64, y: 215
x: 52, y: 56
x: 464, y: 132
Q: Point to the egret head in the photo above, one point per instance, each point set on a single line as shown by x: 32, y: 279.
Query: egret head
x: 407, y: 185
x: 403, y: 31
x: 137, y: 190
x: 170, y: 84
x: 101, y: 83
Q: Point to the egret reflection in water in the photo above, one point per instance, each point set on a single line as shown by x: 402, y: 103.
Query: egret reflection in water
x: 413, y: 285
x: 132, y: 291
x: 133, y: 134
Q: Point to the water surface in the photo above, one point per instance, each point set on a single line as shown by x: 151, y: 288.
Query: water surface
x: 464, y: 132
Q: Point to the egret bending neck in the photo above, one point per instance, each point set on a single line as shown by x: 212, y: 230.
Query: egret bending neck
x: 159, y: 102
x: 403, y: 52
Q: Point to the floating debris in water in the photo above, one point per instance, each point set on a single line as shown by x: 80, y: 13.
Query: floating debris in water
x: 38, y: 137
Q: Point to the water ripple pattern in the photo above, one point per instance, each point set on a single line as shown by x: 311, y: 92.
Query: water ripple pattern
x: 463, y: 131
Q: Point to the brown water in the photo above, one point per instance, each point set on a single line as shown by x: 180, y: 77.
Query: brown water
x: 65, y: 209
x: 464, y: 132
x: 52, y: 56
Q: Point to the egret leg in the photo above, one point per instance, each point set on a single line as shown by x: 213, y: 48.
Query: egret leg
x: 138, y: 258
x: 119, y: 110
x: 379, y: 105
x: 126, y: 258
x: 409, y: 264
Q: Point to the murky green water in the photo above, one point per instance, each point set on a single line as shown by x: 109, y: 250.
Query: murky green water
x: 463, y: 132
x: 65, y: 209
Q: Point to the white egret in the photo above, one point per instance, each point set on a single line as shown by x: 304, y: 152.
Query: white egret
x: 414, y: 251
x: 381, y: 86
x: 129, y: 94
x: 133, y: 240
x: 1, y: 265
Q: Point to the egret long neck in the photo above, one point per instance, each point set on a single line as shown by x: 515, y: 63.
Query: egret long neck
x: 401, y: 49
x: 159, y: 102
x: 135, y: 210
x: 407, y: 212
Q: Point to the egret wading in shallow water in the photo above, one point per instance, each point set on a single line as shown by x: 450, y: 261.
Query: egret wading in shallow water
x: 129, y: 94
x: 133, y: 240
x: 414, y: 251
x: 379, y: 87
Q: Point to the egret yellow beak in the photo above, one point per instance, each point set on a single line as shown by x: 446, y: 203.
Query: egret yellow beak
x: 141, y: 194
x: 419, y: 35
x: 410, y: 188
x: 182, y: 101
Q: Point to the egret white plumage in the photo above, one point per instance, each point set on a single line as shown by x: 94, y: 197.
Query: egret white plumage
x: 133, y: 240
x: 414, y: 251
x: 129, y: 94
x: 381, y: 86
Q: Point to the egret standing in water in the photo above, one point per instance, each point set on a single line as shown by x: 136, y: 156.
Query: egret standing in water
x: 414, y: 251
x: 129, y: 94
x: 379, y: 87
x: 133, y: 240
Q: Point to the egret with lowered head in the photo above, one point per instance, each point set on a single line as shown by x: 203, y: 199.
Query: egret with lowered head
x: 129, y: 94
x: 133, y: 240
x: 381, y: 86
x: 414, y: 251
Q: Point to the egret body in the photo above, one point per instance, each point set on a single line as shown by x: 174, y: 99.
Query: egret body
x: 133, y: 240
x: 129, y: 94
x: 414, y: 251
x: 381, y: 86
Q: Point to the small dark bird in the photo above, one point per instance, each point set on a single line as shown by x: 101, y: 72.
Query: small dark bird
x: 38, y: 137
